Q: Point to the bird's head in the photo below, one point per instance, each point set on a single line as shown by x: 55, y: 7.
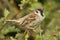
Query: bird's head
x: 40, y: 13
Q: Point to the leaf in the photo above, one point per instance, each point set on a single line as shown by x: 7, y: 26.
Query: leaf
x: 6, y: 12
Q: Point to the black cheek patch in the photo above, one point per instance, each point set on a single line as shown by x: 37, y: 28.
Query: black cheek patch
x: 42, y: 13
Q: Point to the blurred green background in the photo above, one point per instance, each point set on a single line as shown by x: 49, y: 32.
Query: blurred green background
x: 15, y: 9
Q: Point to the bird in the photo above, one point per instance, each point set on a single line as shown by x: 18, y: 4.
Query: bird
x: 32, y: 19
x: 29, y: 22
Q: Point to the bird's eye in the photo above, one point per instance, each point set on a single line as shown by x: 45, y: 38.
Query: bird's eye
x: 36, y: 11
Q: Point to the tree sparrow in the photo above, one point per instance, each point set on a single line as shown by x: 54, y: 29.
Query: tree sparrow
x: 32, y: 19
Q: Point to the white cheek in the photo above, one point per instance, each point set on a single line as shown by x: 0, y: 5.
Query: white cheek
x: 35, y: 12
x: 38, y: 13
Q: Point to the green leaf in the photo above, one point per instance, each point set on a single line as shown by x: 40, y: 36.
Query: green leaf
x: 6, y: 12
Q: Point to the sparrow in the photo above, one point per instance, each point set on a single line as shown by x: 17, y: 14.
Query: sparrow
x: 29, y: 22
x: 32, y: 19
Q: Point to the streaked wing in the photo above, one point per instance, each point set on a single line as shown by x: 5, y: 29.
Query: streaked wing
x: 30, y: 19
